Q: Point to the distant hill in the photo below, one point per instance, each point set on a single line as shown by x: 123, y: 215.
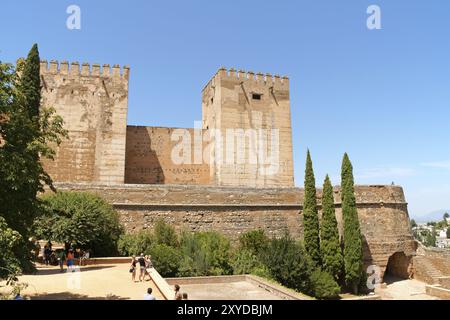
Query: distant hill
x: 432, y: 216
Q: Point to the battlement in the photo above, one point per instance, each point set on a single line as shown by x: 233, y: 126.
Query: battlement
x: 94, y: 70
x: 259, y: 78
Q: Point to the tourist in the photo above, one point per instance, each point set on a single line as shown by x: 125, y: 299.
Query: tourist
x: 141, y: 261
x: 70, y: 257
x: 185, y: 296
x: 148, y: 264
x: 178, y: 295
x: 148, y: 295
x: 47, y: 254
x: 61, y: 255
x: 133, y: 269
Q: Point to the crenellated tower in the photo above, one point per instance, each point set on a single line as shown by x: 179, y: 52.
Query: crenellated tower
x: 93, y: 102
x: 251, y: 114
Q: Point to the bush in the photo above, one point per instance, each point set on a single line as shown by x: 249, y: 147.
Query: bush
x: 254, y: 241
x: 165, y: 234
x: 323, y: 285
x: 135, y: 244
x: 244, y: 262
x: 205, y: 254
x: 10, y: 242
x: 165, y: 259
x: 288, y: 263
x: 81, y: 219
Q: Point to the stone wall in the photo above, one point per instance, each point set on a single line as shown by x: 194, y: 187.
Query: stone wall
x: 149, y: 158
x: 93, y: 104
x: 232, y: 211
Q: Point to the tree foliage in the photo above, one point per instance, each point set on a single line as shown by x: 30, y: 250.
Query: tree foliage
x: 81, y: 219
x: 254, y: 241
x: 324, y: 285
x: 28, y: 134
x: 330, y: 247
x: 10, y: 242
x: 289, y: 264
x: 353, y: 251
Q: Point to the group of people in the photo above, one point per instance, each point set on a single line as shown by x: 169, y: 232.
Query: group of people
x: 144, y: 264
x: 61, y: 256
x: 176, y: 288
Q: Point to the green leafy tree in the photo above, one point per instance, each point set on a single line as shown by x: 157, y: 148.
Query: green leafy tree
x: 324, y: 285
x: 310, y: 214
x: 254, y: 241
x: 81, y: 219
x: 446, y: 215
x: 133, y: 244
x: 165, y: 259
x: 448, y: 233
x: 246, y: 262
x: 413, y: 223
x: 28, y: 134
x: 10, y: 242
x: 353, y: 250
x: 289, y: 264
x: 205, y: 254
x: 165, y: 234
x: 330, y: 248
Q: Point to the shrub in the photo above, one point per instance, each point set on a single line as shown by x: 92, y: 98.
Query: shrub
x: 245, y: 262
x: 135, y: 244
x: 323, y: 285
x: 81, y: 219
x: 10, y: 242
x: 205, y: 254
x: 165, y: 259
x: 165, y: 234
x: 288, y: 263
x: 254, y: 241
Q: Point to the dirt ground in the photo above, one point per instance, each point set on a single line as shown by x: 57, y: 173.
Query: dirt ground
x: 90, y: 282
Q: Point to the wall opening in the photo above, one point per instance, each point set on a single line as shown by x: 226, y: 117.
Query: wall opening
x: 398, y: 266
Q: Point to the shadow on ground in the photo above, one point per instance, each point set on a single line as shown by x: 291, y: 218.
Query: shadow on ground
x: 49, y: 271
x: 73, y: 296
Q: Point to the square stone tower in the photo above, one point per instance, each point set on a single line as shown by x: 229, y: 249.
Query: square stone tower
x: 248, y: 120
x: 93, y: 104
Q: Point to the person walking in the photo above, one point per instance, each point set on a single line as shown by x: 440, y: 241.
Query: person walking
x: 133, y: 269
x: 70, y: 257
x: 61, y: 255
x: 141, y: 261
x: 148, y: 264
x: 47, y: 253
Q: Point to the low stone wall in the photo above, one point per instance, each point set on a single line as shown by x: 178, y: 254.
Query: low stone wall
x: 232, y: 211
x: 431, y: 264
x: 437, y: 291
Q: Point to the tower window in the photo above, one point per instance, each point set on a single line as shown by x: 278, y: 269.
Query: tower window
x: 256, y: 96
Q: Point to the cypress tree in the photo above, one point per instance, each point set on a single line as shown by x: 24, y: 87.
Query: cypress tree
x: 30, y: 82
x: 330, y: 248
x: 353, y: 251
x: 310, y: 214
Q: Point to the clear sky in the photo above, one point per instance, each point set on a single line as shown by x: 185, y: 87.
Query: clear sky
x: 383, y: 96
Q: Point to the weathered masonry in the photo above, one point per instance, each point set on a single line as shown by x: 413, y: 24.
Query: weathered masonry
x: 133, y: 167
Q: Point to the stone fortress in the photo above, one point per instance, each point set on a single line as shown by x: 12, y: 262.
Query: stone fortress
x: 133, y: 166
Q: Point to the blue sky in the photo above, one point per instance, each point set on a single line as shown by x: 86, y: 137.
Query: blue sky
x: 383, y: 96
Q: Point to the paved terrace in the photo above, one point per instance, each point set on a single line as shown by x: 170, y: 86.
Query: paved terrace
x: 98, y: 282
